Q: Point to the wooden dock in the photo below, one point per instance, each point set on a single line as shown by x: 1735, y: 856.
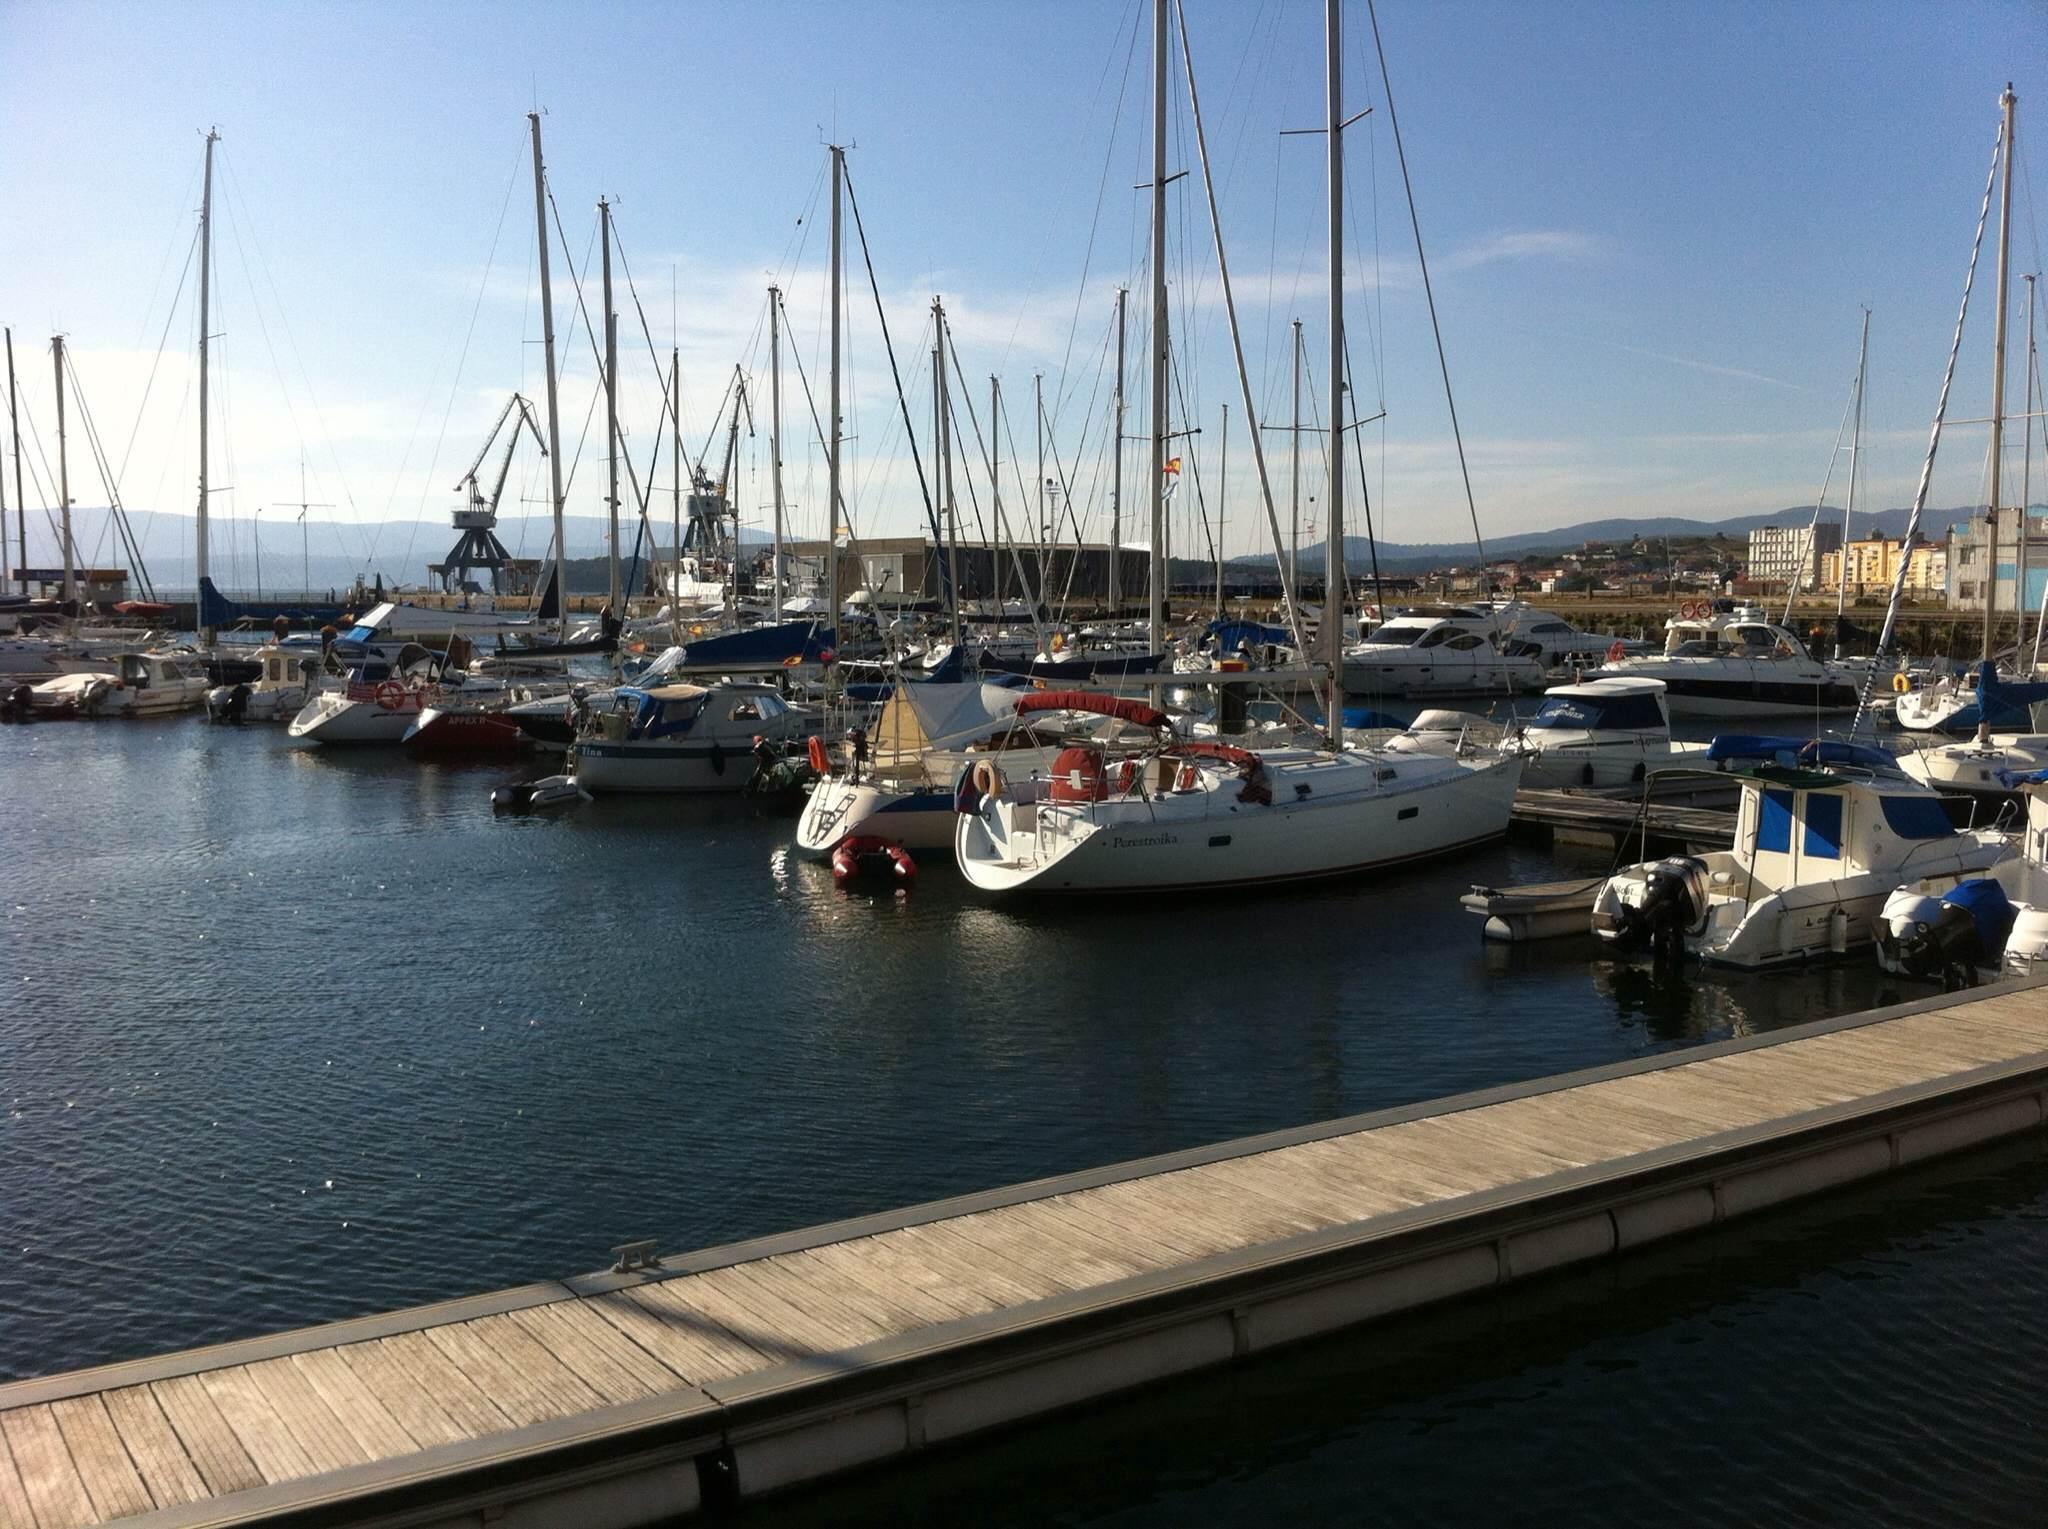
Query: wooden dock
x: 1590, y: 817
x: 630, y: 1396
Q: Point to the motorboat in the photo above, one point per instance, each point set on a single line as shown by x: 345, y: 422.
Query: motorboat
x: 871, y: 857
x: 1736, y: 664
x: 1979, y: 765
x: 1186, y: 815
x: 1824, y: 832
x: 285, y: 677
x: 1550, y: 639
x: 1600, y: 733
x: 681, y: 737
x: 1439, y: 651
x: 142, y: 685
x: 1979, y: 930
x: 899, y: 778
x: 1954, y: 703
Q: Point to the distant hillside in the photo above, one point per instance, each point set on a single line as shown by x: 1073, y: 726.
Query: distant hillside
x: 1419, y: 557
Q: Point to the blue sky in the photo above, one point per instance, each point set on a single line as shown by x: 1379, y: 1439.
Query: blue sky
x: 1651, y: 228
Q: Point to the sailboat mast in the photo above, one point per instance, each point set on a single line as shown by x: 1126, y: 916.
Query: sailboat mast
x: 1333, y: 560
x: 20, y: 504
x: 1855, y: 472
x: 2019, y: 560
x: 675, y: 472
x: 1294, y: 506
x: 832, y: 509
x: 1116, y: 472
x: 1222, y: 488
x: 942, y: 477
x: 63, y: 472
x: 2011, y: 104
x: 205, y: 327
x: 611, y: 410
x: 1047, y: 532
x: 1157, y: 488
x: 547, y: 336
x: 775, y: 441
x: 995, y: 490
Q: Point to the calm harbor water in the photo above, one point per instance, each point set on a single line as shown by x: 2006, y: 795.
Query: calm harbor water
x: 293, y: 1035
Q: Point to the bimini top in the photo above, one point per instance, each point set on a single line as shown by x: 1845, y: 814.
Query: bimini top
x: 1117, y: 706
x: 661, y: 711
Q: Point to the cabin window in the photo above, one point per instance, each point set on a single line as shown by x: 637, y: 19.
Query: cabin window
x: 1823, y: 837
x: 1774, y: 831
x: 1550, y: 629
x: 1433, y: 639
x: 1624, y: 712
x: 1464, y: 642
x: 1916, y: 817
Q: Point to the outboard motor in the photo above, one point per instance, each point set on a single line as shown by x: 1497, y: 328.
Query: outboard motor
x: 19, y: 705
x: 1674, y: 902
x: 1947, y: 940
x: 234, y: 706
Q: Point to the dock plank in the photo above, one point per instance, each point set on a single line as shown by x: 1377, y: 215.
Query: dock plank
x: 516, y: 1346
x: 400, y: 1395
x: 264, y: 1434
x: 971, y: 1266
x: 1012, y: 1248
x: 524, y: 1395
x: 213, y: 1447
x: 48, y: 1476
x: 681, y: 1336
x: 453, y: 1393
x: 601, y: 1356
x: 159, y: 1454
x: 322, y: 1435
x: 15, y: 1512
x: 375, y: 1428
x: 922, y: 1279
x: 100, y: 1457
x: 749, y: 1294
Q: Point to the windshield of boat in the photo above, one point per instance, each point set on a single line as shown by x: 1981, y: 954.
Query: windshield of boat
x: 1620, y: 712
x: 1395, y: 634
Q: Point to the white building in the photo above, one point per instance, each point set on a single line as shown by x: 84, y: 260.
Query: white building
x: 1779, y: 554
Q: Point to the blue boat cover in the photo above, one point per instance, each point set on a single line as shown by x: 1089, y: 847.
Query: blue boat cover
x: 788, y: 642
x: 1803, y: 750
x: 2012, y: 780
x: 1986, y: 903
x: 1232, y: 635
x: 2008, y: 703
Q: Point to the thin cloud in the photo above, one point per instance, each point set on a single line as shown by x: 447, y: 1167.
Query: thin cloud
x: 1527, y: 244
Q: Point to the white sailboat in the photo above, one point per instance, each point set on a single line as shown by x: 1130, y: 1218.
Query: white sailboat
x: 1186, y: 815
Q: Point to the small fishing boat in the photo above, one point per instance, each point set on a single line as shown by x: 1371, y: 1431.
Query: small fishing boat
x: 1824, y: 832
x: 143, y: 685
x: 284, y: 678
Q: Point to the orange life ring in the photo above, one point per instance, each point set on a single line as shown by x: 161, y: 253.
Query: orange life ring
x: 820, y: 761
x: 1902, y: 683
x: 390, y: 695
x: 1186, y: 778
x: 988, y: 780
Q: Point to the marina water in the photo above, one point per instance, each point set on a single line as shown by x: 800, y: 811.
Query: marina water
x: 294, y: 1035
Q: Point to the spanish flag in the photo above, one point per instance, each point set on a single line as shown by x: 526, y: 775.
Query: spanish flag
x: 1172, y: 471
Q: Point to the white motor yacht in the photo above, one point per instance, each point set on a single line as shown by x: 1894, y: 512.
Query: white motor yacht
x: 1819, y: 846
x: 1736, y: 664
x: 1601, y: 733
x: 1439, y: 651
x: 680, y: 738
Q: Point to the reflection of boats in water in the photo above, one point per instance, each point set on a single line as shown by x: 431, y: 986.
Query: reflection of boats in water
x: 1718, y: 1003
